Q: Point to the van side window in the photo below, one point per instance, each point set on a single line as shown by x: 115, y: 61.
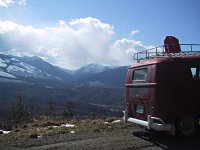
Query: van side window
x: 195, y: 72
x: 140, y: 75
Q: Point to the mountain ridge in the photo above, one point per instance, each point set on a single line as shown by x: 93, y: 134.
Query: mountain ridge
x: 24, y: 68
x: 28, y: 67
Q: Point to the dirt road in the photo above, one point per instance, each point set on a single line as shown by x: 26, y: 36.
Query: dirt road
x: 125, y: 139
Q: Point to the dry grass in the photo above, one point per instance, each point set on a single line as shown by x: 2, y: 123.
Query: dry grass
x: 44, y: 127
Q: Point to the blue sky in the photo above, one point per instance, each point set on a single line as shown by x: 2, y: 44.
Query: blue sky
x: 73, y: 33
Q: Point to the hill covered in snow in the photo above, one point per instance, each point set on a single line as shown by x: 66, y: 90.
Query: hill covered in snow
x: 22, y: 68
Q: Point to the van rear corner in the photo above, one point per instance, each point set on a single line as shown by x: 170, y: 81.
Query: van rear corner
x: 140, y: 99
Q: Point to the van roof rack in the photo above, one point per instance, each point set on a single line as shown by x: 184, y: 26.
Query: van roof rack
x: 160, y: 51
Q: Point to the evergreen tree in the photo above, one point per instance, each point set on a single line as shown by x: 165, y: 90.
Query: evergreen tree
x: 19, y: 111
x: 68, y: 110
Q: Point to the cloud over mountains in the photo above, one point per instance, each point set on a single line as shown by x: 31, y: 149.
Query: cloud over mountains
x: 69, y: 44
x: 6, y: 3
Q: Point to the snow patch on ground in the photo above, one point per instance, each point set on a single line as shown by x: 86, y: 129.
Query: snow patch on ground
x: 5, y: 132
x: 116, y: 121
x: 25, y: 70
x: 68, y: 125
x: 62, y: 125
x: 58, y: 78
x: 72, y: 132
x: 1, y: 60
x: 7, y: 60
x: 2, y: 63
x: 7, y: 75
x: 27, y: 67
x: 14, y: 59
x: 13, y: 68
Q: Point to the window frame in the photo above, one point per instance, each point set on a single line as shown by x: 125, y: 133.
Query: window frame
x: 146, y: 79
x: 195, y: 72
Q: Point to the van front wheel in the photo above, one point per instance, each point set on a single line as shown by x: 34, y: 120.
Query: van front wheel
x: 187, y: 126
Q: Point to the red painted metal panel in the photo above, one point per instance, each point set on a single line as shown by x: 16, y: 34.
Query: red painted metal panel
x: 172, y: 91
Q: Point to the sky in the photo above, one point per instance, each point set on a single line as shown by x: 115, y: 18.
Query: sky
x: 74, y: 33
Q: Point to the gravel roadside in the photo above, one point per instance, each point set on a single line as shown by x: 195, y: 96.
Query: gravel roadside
x: 123, y: 139
x: 98, y: 135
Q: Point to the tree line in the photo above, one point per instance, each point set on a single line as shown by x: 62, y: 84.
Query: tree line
x: 20, y: 112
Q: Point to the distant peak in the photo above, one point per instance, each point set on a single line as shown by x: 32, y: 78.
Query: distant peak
x: 34, y: 57
x: 93, y: 66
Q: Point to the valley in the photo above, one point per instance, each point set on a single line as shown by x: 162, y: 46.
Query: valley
x: 93, y: 89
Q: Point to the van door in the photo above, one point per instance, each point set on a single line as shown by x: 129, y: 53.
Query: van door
x: 194, y: 87
x: 139, y: 92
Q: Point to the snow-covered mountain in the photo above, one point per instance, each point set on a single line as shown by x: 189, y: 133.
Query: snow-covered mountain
x: 113, y: 77
x: 12, y: 67
x: 32, y: 69
x: 90, y: 69
x: 55, y: 72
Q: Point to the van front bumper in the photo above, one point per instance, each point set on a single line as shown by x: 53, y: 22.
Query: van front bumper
x: 150, y: 124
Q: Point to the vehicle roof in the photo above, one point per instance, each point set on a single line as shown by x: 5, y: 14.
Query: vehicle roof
x: 167, y: 59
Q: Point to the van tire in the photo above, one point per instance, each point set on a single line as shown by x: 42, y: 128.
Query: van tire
x: 187, y: 126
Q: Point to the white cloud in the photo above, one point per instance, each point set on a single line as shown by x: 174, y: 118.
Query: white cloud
x: 6, y: 3
x: 61, y: 22
x: 69, y: 44
x: 91, y: 23
x: 121, y: 52
x: 135, y: 32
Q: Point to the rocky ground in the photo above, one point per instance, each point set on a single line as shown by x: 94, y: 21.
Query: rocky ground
x: 93, y: 134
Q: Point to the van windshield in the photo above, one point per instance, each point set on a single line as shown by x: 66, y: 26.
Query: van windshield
x: 140, y: 75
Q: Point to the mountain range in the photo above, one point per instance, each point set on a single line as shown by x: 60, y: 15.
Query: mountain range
x: 24, y: 69
x: 92, y: 88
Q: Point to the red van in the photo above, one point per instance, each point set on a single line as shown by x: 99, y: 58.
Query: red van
x: 163, y: 89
